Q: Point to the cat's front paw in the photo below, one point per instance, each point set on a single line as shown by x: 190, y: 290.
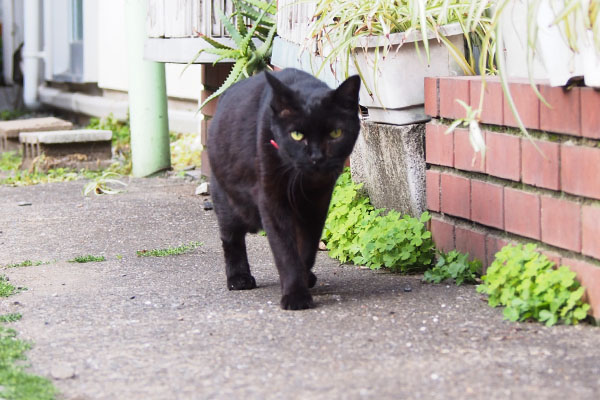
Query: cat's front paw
x: 297, y: 301
x: 241, y: 282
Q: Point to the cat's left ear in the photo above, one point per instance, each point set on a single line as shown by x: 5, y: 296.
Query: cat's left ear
x: 347, y: 93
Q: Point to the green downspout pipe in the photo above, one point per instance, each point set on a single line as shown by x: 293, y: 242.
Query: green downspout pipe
x: 150, y: 151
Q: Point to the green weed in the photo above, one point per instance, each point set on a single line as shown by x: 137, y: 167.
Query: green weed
x: 10, y: 161
x: 16, y: 384
x: 87, y: 258
x: 10, y: 317
x: 527, y: 285
x: 26, y: 263
x: 170, y: 251
x: 6, y: 289
x: 456, y: 266
x: 357, y: 232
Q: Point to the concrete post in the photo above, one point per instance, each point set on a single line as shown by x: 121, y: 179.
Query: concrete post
x: 150, y: 151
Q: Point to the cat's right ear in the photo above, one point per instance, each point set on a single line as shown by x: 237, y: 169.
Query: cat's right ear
x: 283, y: 102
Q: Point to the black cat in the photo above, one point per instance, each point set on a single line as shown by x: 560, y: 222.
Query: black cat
x: 276, y: 145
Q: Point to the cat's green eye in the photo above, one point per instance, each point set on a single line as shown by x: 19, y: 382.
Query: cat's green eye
x: 297, y: 136
x: 335, y: 133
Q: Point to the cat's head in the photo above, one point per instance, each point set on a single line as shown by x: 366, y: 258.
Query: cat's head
x: 314, y: 127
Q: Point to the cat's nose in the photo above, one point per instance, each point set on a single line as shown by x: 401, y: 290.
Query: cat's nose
x: 316, y: 158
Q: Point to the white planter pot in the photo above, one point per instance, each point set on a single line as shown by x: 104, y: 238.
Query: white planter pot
x: 397, y: 82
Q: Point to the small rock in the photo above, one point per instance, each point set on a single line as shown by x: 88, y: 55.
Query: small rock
x: 207, y: 205
x: 322, y: 246
x: 23, y: 203
x: 193, y: 174
x: 202, y: 189
x: 407, y: 288
x: 62, y: 371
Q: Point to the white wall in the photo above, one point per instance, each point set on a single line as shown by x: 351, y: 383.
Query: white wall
x: 112, y: 56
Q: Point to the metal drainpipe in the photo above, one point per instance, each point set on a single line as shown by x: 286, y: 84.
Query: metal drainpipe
x: 31, y: 53
x: 150, y: 151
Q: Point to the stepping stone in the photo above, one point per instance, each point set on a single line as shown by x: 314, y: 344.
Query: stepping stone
x: 79, y: 148
x: 10, y: 130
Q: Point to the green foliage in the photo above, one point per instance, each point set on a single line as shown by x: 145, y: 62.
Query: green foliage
x: 87, y: 258
x: 248, y: 59
x: 6, y: 115
x: 170, y: 251
x: 357, y: 232
x: 121, y: 142
x: 186, y: 150
x: 10, y: 161
x: 526, y: 283
x: 6, y: 289
x: 26, y: 263
x: 10, y: 317
x: 456, y: 266
x: 15, y: 383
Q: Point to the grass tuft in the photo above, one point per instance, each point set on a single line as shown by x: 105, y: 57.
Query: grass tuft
x: 6, y: 289
x: 10, y: 317
x: 170, y: 251
x: 87, y: 258
x: 26, y: 263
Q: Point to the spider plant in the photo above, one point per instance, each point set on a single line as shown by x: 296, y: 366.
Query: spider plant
x: 339, y: 27
x: 104, y: 184
x: 249, y: 59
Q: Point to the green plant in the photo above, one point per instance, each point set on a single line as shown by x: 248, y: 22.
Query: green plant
x: 6, y: 289
x: 10, y: 161
x: 169, y: 251
x: 26, y: 263
x: 10, y: 317
x: 357, y: 232
x: 527, y: 285
x: 186, y: 150
x: 103, y: 184
x: 456, y: 266
x: 6, y: 115
x: 87, y: 258
x: 249, y: 59
x: 16, y: 384
x: 121, y: 142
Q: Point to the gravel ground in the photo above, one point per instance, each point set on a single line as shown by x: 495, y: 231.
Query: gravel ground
x: 167, y: 328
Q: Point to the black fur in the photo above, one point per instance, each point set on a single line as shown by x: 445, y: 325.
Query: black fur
x: 286, y: 191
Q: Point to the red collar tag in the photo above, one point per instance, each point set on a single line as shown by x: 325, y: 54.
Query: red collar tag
x: 274, y: 143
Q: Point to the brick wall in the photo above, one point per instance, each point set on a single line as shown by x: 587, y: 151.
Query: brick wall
x: 544, y: 190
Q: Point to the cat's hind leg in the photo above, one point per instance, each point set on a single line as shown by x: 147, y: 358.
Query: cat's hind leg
x: 233, y: 237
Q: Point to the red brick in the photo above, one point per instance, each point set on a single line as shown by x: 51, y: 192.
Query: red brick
x: 470, y: 241
x: 540, y: 166
x: 465, y: 157
x: 522, y: 213
x: 452, y: 88
x: 487, y: 204
x: 561, y: 222
x: 554, y: 257
x: 443, y: 234
x: 493, y: 245
x: 564, y: 116
x: 527, y: 104
x: 456, y: 194
x: 590, y: 231
x: 493, y: 99
x: 580, y: 170
x: 590, y: 112
x: 432, y: 105
x: 439, y: 146
x: 432, y: 180
x: 503, y: 158
x: 589, y: 277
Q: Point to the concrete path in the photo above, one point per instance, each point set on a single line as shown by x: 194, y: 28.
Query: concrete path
x: 167, y: 328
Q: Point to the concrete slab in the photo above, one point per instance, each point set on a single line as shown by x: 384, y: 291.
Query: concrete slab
x: 9, y: 130
x: 66, y: 136
x: 167, y: 328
